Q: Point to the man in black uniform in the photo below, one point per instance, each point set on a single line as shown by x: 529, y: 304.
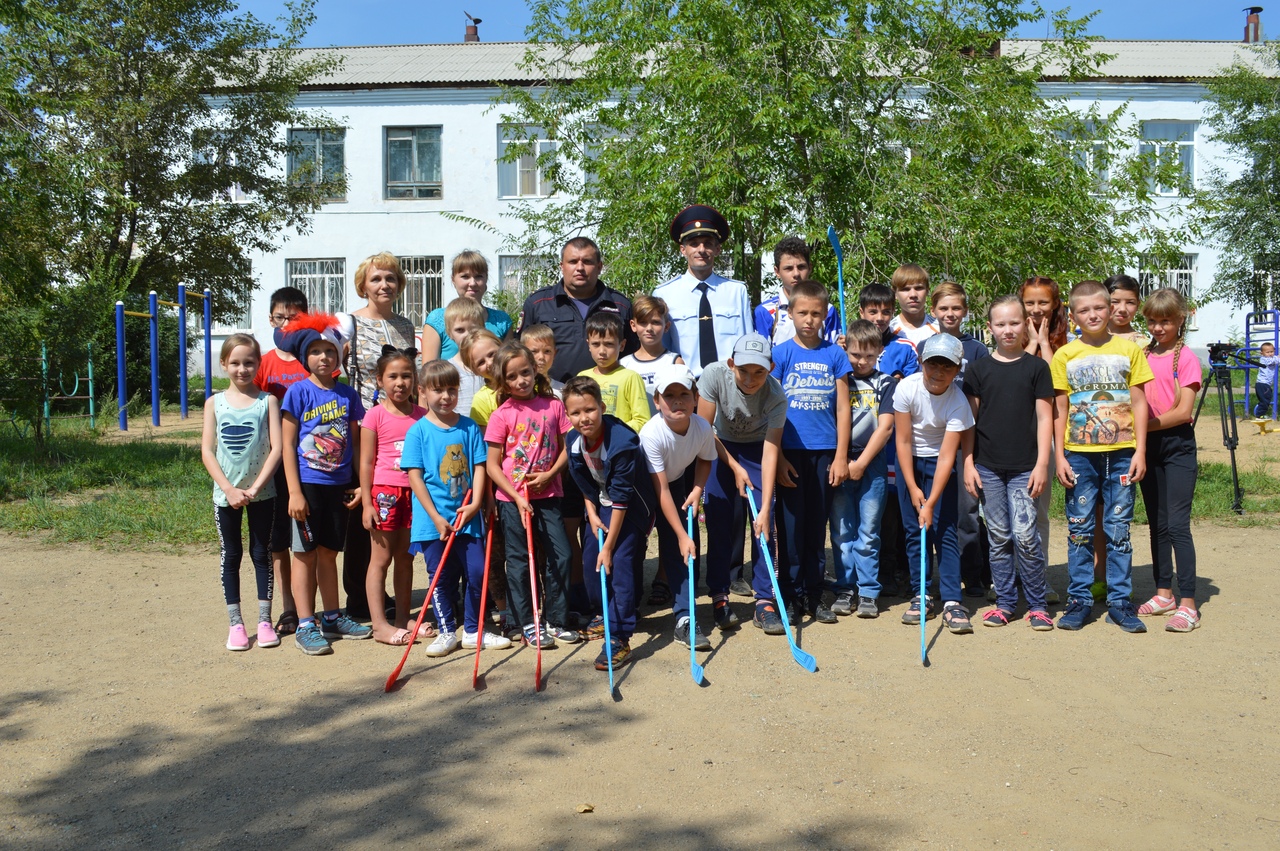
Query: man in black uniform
x: 564, y: 308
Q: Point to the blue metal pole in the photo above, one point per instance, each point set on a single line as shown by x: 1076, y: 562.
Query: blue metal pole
x: 120, y: 376
x: 44, y: 387
x: 93, y: 413
x: 155, y: 359
x: 208, y: 343
x: 182, y: 347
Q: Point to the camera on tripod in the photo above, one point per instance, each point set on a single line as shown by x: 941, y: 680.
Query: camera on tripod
x: 1219, y: 352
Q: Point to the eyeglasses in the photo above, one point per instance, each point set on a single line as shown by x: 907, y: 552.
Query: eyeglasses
x: 281, y: 318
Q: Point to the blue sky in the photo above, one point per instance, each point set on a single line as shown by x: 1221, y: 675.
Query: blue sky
x: 350, y: 22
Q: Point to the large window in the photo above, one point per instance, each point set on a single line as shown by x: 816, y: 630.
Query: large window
x: 1089, y: 154
x: 1153, y: 274
x: 423, y: 280
x: 522, y: 177
x: 318, y: 156
x: 1172, y: 142
x: 413, y: 162
x: 324, y: 282
x: 521, y: 274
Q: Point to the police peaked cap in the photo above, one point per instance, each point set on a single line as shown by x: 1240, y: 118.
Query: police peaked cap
x: 699, y: 218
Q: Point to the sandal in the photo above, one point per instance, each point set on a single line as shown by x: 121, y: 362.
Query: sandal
x: 1184, y: 619
x: 399, y: 639
x: 660, y: 594
x: 288, y: 623
x: 1158, y: 605
x: 426, y: 630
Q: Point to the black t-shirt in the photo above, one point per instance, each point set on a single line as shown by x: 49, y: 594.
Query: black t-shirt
x: 1005, y: 432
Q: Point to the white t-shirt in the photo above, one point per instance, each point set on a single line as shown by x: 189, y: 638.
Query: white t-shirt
x: 648, y: 370
x: 931, y: 416
x: 672, y: 453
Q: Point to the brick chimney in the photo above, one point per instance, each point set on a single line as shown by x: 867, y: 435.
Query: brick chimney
x: 472, y: 32
x: 1253, y: 25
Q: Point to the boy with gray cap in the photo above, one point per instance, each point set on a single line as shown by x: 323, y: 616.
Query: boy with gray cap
x: 748, y: 410
x: 933, y: 421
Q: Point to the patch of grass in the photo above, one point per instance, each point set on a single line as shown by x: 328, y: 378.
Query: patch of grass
x: 139, y: 493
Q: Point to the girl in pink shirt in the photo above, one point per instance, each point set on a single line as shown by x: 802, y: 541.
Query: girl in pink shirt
x: 1170, y: 483
x: 384, y: 489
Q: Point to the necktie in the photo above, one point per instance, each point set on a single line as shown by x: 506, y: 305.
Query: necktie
x: 706, y: 330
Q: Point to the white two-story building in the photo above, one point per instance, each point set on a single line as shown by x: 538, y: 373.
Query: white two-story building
x: 423, y: 139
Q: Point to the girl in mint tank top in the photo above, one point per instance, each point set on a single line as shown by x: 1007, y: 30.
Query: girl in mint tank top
x: 240, y: 447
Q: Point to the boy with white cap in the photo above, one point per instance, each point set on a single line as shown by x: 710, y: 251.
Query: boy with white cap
x: 748, y: 410
x: 680, y: 447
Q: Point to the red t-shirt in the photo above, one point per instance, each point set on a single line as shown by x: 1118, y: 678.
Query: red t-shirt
x: 276, y: 374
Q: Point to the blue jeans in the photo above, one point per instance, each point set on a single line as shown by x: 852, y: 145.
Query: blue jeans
x: 1098, y: 478
x: 1011, y: 528
x: 723, y: 510
x: 857, y: 508
x: 941, y: 539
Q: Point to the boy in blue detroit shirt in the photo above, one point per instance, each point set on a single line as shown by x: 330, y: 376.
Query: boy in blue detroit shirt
x: 812, y: 372
x: 321, y: 433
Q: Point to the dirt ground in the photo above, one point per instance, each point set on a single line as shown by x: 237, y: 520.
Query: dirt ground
x: 124, y: 723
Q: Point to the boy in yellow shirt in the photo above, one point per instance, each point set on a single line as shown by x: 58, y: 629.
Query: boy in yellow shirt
x: 622, y: 389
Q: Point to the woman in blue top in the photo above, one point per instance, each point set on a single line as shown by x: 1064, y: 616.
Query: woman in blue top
x: 470, y: 279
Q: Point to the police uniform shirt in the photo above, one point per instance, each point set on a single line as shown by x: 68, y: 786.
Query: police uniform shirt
x: 730, y: 310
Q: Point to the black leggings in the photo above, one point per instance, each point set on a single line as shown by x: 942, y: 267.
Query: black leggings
x: 227, y: 520
x: 1167, y: 490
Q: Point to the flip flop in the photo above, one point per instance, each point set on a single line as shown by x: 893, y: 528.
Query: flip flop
x: 288, y: 623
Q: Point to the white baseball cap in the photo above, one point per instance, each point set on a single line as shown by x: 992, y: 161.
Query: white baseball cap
x: 672, y: 373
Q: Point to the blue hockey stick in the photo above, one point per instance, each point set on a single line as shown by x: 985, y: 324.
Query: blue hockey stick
x: 803, y: 659
x: 604, y: 606
x: 834, y: 239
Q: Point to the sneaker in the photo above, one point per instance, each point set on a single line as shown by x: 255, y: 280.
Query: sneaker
x: 564, y: 634
x: 238, y: 639
x: 1076, y: 615
x: 267, y: 636
x: 1040, y: 620
x: 311, y: 640
x: 1050, y: 596
x: 531, y: 636
x: 912, y: 614
x: 1185, y: 619
x: 700, y: 641
x: 595, y: 629
x: 843, y: 605
x: 741, y: 588
x: 445, y: 643
x: 725, y: 618
x: 344, y: 627
x: 491, y: 641
x: 1124, y: 616
x: 766, y: 618
x: 868, y: 608
x: 1158, y: 605
x: 823, y: 614
x: 621, y: 650
x: 995, y: 617
x: 795, y: 612
x: 956, y: 619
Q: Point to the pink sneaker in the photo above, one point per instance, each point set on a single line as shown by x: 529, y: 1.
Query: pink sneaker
x: 237, y: 638
x: 267, y: 636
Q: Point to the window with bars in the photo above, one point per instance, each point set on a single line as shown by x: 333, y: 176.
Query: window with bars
x: 1153, y: 274
x: 1172, y: 141
x: 524, y: 176
x: 319, y: 156
x: 323, y: 281
x: 521, y: 274
x: 412, y: 157
x: 423, y: 283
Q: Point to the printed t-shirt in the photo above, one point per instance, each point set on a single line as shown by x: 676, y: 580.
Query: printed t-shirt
x: 244, y: 442
x: 808, y: 377
x: 1005, y: 432
x: 1162, y: 392
x: 1096, y: 380
x: 276, y: 375
x: 741, y: 418
x: 529, y: 433
x: 648, y: 370
x: 869, y: 397
x: 390, y: 429
x: 899, y: 356
x: 931, y: 416
x: 325, y: 419
x: 916, y: 336
x: 670, y: 453
x: 623, y: 393
x: 447, y: 457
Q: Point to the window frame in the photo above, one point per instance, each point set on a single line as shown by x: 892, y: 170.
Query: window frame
x: 1175, y: 147
x: 1183, y: 277
x: 333, y: 281
x: 423, y: 274
x: 435, y: 187
x: 528, y: 166
x: 322, y: 138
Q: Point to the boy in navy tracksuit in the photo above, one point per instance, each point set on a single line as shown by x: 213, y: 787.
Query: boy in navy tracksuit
x: 609, y: 467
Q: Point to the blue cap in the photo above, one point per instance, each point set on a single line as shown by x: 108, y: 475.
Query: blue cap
x: 943, y: 346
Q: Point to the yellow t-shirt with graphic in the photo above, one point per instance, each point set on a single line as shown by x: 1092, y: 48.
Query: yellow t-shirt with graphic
x: 624, y: 395
x: 1097, y: 381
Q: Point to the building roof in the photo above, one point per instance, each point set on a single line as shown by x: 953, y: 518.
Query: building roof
x: 466, y: 64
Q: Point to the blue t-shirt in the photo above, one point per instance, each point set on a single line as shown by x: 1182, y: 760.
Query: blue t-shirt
x: 809, y: 378
x: 899, y: 356
x: 446, y: 457
x: 326, y: 421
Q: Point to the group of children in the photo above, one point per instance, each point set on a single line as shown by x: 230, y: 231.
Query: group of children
x: 903, y: 433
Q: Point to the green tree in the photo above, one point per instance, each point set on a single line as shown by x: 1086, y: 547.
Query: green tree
x: 127, y: 127
x: 1241, y: 212
x: 910, y: 126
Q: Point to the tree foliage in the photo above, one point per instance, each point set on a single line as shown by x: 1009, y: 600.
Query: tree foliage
x: 910, y: 126
x: 1241, y: 212
x: 123, y: 126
